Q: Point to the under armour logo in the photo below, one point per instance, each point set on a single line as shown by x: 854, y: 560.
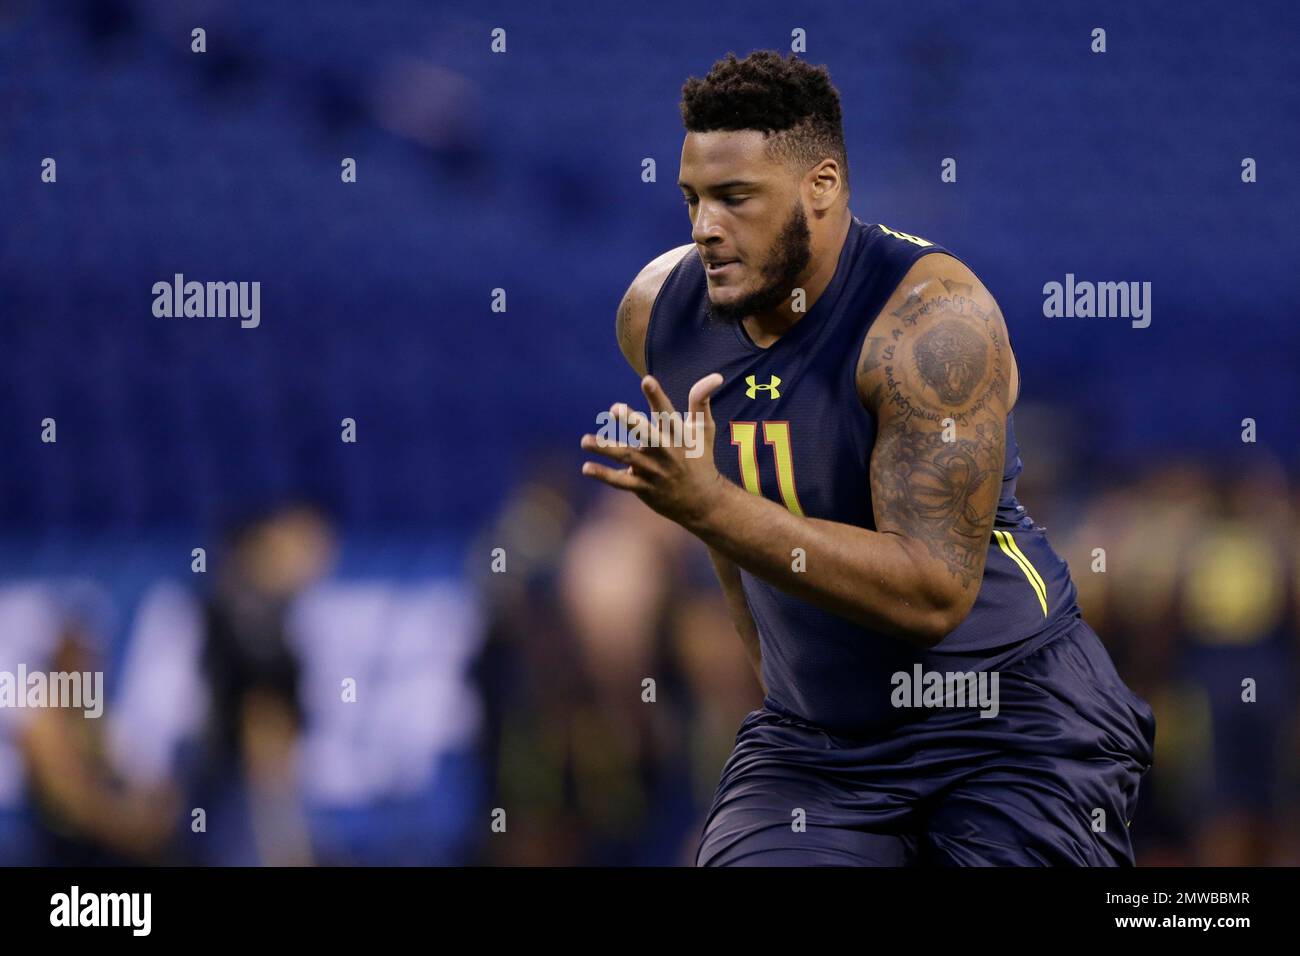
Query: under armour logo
x: 755, y: 388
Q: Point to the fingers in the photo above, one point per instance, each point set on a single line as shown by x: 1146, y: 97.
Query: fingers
x: 626, y: 454
x: 637, y: 423
x: 617, y: 478
x: 655, y: 395
x: 646, y: 461
x: 702, y: 392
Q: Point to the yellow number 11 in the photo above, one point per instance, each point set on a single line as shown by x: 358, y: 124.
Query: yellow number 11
x: 777, y: 434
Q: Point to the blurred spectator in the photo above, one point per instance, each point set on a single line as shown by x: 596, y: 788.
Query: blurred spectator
x: 252, y: 677
x: 79, y: 811
x: 618, y: 693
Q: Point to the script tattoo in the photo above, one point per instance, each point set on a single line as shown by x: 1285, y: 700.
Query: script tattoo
x: 626, y: 334
x: 934, y: 372
x: 946, y: 364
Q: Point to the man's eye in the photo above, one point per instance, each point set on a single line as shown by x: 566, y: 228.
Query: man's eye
x: 734, y: 200
x: 689, y: 200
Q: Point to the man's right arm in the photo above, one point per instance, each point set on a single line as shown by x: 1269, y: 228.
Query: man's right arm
x: 634, y: 311
x: 630, y: 325
x: 743, y: 619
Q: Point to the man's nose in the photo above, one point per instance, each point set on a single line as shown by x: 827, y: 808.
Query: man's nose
x: 706, y: 230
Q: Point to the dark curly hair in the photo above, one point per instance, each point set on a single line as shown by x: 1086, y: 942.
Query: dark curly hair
x: 790, y: 101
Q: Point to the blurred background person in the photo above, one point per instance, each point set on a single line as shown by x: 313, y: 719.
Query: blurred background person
x: 613, y: 695
x: 248, y: 768
x: 67, y: 804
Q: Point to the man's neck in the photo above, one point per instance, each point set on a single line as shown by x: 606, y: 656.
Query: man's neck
x: 766, y: 327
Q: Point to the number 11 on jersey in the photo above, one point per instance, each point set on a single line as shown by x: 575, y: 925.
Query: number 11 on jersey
x: 777, y: 434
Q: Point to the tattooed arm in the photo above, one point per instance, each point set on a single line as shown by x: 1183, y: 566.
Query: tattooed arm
x: 938, y: 374
x: 935, y: 367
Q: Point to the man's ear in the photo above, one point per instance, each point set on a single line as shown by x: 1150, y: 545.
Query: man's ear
x: 825, y: 184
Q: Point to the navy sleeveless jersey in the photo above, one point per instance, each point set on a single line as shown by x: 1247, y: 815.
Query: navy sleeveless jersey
x: 791, y: 426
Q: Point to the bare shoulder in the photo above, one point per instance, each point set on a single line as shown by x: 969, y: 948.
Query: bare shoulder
x: 634, y: 311
x: 946, y: 327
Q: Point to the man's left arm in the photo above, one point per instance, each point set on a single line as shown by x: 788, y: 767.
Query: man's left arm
x: 935, y: 374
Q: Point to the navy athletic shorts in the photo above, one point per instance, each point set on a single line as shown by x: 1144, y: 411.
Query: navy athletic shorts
x: 1051, y: 780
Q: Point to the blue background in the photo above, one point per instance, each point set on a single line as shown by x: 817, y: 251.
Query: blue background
x: 522, y: 171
